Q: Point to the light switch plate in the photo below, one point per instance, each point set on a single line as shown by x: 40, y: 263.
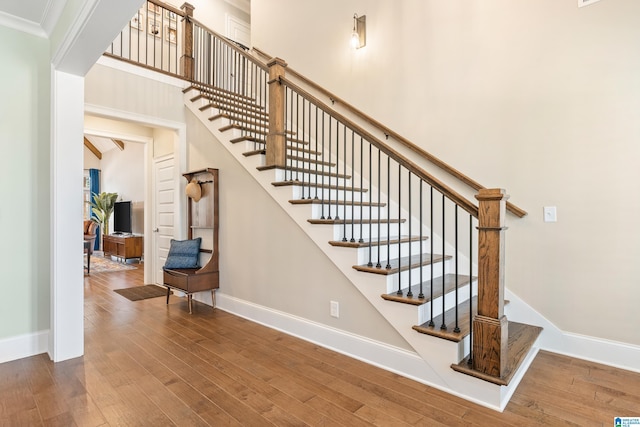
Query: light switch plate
x: 335, y: 309
x: 586, y: 2
x: 549, y: 214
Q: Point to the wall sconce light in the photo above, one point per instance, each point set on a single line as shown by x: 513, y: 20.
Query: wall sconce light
x: 359, y: 34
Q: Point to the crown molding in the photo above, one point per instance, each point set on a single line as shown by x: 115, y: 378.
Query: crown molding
x: 243, y: 5
x: 20, y: 24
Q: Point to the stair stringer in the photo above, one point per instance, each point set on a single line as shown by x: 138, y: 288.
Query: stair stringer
x: 437, y: 354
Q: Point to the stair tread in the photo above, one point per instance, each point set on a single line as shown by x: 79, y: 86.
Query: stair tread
x: 208, y: 90
x: 401, y: 264
x: 520, y: 341
x: 317, y: 185
x: 253, y: 153
x: 243, y: 128
x: 309, y: 160
x: 256, y: 129
x: 366, y: 243
x: 449, y: 332
x: 247, y: 138
x: 228, y: 102
x: 364, y: 221
x: 335, y: 202
x: 245, y: 118
x: 449, y: 285
x: 252, y: 109
x: 310, y: 171
x: 296, y: 140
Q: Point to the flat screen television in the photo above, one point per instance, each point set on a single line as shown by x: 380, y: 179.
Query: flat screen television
x: 122, y: 218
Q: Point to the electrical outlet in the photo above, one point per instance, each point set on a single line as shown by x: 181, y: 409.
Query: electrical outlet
x: 586, y: 2
x: 335, y: 309
x: 549, y: 214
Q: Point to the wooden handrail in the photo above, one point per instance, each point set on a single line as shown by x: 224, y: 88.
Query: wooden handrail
x: 411, y: 166
x: 234, y: 45
x: 169, y: 7
x: 387, y: 131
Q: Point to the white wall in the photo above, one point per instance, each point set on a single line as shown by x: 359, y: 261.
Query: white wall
x: 24, y: 187
x: 537, y: 96
x: 266, y: 259
x: 123, y: 172
x: 213, y: 13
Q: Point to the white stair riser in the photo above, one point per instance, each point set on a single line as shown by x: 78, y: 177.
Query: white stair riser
x: 306, y: 163
x: 413, y: 274
x: 424, y: 311
x: 306, y: 178
x: 396, y: 250
x: 347, y: 211
x: 356, y: 231
x: 303, y: 191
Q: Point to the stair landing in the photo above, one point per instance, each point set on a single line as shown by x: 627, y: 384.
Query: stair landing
x: 521, y: 340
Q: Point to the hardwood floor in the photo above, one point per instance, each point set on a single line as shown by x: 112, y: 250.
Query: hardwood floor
x: 148, y: 364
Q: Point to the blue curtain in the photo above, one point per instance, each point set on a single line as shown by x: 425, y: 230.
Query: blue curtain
x: 94, y: 178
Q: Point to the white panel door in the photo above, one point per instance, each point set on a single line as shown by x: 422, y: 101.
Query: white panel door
x: 164, y: 205
x: 238, y: 30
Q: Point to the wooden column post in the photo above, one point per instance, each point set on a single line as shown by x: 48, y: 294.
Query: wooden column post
x: 490, y: 326
x: 276, y: 142
x: 186, y: 61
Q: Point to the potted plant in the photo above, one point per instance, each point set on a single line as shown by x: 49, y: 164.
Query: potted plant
x: 102, y: 208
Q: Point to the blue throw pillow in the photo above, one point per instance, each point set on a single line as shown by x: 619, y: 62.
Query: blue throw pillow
x: 183, y: 253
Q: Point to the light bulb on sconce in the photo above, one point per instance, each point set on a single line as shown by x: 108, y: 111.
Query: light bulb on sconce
x: 359, y: 33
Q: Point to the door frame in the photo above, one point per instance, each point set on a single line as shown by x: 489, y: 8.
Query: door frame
x: 177, y: 218
x: 179, y: 155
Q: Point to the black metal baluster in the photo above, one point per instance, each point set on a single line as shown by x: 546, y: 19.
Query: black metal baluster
x: 421, y: 294
x: 457, y: 327
x: 288, y: 134
x: 321, y: 156
x: 379, y: 265
x: 294, y: 134
x: 306, y: 133
x: 388, y: 266
x: 323, y: 175
x: 409, y: 292
x: 306, y: 169
x: 370, y: 263
x: 470, y: 360
x: 353, y: 136
x: 361, y: 240
x: 444, y: 323
x: 287, y: 108
x: 337, y: 180
x: 431, y: 322
x: 399, y: 292
x: 323, y: 189
x: 344, y: 184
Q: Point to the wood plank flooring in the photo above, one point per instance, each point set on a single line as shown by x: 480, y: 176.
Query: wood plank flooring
x: 149, y: 364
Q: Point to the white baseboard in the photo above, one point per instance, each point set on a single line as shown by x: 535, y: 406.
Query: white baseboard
x: 21, y: 346
x: 376, y: 353
x: 599, y: 350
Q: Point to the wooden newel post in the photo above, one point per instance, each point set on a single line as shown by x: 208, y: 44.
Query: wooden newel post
x: 276, y: 142
x: 187, y: 61
x: 490, y: 326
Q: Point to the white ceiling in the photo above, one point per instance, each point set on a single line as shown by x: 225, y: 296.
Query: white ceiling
x: 34, y: 16
x: 39, y: 16
x: 31, y: 10
x: 101, y: 143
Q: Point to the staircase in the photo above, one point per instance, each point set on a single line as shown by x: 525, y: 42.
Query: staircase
x: 426, y: 257
x: 369, y: 239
